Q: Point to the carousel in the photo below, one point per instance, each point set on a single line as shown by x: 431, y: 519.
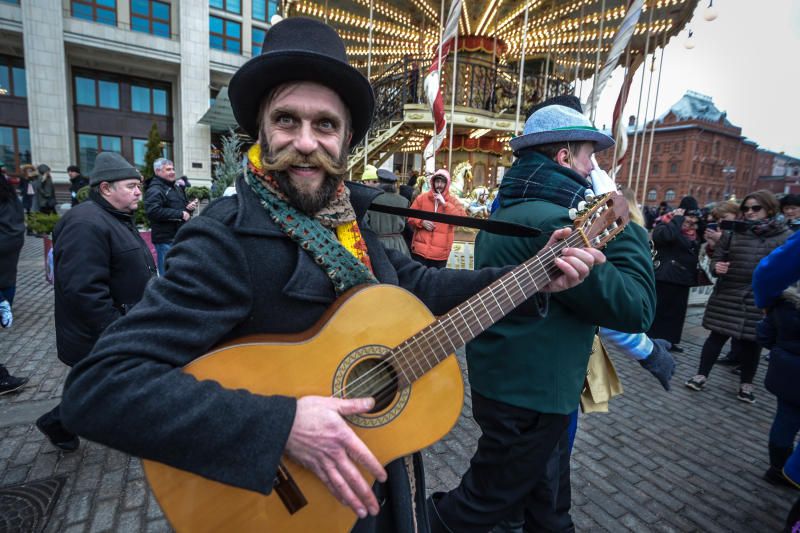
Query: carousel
x: 455, y: 80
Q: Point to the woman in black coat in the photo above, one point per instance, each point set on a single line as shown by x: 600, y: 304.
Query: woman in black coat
x: 731, y: 312
x: 677, y: 243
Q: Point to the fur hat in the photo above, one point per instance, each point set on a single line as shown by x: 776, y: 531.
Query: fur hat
x: 110, y: 166
x: 301, y: 49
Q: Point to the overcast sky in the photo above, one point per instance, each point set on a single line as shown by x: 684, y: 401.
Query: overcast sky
x: 746, y: 60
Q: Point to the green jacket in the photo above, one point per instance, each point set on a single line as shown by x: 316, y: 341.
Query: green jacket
x: 541, y: 365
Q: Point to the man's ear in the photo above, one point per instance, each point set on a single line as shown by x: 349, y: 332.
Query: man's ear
x: 563, y: 157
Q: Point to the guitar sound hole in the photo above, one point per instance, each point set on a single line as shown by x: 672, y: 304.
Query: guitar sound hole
x: 372, y: 377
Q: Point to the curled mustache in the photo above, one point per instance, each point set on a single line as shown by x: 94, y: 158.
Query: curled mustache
x: 289, y: 157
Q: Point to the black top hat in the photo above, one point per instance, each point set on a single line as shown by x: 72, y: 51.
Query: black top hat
x: 301, y: 49
x: 110, y: 166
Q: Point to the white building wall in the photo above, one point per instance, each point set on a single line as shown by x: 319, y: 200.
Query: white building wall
x: 46, y: 77
x: 193, y: 140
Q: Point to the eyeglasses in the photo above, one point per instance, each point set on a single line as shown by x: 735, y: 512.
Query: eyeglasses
x: 753, y: 208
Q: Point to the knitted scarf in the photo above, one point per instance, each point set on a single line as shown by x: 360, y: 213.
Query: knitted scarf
x: 343, y: 257
x: 767, y: 226
x: 535, y: 176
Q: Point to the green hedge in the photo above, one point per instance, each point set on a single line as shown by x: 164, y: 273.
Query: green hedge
x: 41, y: 223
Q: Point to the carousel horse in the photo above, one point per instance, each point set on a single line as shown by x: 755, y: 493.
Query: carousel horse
x: 479, y: 206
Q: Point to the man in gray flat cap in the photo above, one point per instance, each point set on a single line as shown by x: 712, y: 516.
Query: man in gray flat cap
x: 102, y: 266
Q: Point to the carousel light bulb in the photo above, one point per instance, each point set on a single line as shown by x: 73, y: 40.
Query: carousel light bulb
x: 710, y: 12
x: 689, y: 43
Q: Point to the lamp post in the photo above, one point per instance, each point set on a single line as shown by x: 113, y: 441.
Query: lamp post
x: 728, y: 172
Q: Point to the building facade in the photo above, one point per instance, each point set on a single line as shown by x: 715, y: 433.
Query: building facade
x: 696, y: 151
x: 778, y: 172
x: 78, y: 77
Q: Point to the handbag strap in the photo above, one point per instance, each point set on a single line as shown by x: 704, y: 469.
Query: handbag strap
x: 492, y: 226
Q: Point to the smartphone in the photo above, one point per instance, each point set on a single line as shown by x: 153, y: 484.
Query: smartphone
x: 712, y: 226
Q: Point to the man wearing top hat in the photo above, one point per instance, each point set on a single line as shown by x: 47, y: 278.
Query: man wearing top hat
x: 258, y: 262
x: 522, y: 400
x: 102, y: 266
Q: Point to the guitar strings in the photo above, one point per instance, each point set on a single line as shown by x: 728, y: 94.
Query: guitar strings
x: 364, y: 383
x: 386, y: 388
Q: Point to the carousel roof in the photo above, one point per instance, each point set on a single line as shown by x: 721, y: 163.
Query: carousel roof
x: 567, y: 29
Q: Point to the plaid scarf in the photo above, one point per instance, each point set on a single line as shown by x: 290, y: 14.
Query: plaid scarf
x: 343, y: 257
x: 535, y: 176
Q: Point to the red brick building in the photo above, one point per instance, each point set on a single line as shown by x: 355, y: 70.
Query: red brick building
x: 778, y: 172
x: 696, y: 151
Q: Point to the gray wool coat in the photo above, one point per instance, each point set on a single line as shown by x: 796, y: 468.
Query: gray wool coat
x: 232, y: 272
x: 731, y: 309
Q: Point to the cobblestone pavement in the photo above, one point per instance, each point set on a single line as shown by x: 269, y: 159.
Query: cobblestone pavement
x: 677, y: 461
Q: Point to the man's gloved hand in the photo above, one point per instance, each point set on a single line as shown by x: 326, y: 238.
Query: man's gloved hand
x: 601, y: 181
x: 660, y: 362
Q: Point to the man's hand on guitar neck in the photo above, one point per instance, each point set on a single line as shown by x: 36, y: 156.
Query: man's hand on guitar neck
x: 574, y: 263
x: 321, y: 441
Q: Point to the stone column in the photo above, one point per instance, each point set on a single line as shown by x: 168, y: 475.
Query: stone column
x: 193, y: 146
x: 47, y: 77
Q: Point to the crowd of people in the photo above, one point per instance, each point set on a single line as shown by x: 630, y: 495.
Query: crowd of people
x: 275, y: 256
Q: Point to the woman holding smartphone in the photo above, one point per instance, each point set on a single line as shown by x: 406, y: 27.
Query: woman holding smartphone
x: 731, y: 312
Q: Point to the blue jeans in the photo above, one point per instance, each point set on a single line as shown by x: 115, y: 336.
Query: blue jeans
x: 785, y: 426
x: 161, y: 254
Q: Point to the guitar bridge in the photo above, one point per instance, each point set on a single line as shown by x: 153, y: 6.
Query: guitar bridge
x: 288, y: 491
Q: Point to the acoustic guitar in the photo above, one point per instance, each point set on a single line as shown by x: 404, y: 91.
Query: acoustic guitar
x: 378, y: 341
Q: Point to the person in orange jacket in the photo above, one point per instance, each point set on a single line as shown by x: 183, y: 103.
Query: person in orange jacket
x: 433, y: 240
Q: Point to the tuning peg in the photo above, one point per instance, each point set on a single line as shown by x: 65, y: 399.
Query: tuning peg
x: 581, y: 206
x: 573, y: 213
x: 588, y: 195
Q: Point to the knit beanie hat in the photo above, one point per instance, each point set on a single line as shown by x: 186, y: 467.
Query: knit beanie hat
x: 370, y: 173
x: 110, y: 166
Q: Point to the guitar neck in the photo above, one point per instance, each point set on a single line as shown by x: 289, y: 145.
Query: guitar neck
x: 421, y: 352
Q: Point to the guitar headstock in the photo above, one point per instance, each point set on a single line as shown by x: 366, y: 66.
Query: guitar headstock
x: 602, y: 219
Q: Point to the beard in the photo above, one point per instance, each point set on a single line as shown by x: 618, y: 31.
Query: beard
x: 309, y: 202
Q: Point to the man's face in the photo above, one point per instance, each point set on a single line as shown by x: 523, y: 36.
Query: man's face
x: 73, y: 174
x: 166, y: 172
x: 123, y: 195
x: 580, y: 158
x: 305, y: 135
x: 439, y: 183
x: 791, y: 212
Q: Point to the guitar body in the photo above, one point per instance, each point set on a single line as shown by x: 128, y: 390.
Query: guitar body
x: 340, y: 352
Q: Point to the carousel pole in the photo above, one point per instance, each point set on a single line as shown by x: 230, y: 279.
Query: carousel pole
x: 521, y: 68
x: 326, y: 11
x: 546, y: 74
x: 579, y: 62
x: 597, y: 58
x: 453, y: 104
x: 653, y: 127
x: 644, y: 126
x: 641, y: 90
x: 441, y: 67
x: 369, y: 79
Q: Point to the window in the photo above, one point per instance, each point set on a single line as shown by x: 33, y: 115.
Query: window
x: 232, y: 6
x: 258, y: 40
x: 652, y: 194
x: 673, y: 168
x: 149, y: 100
x: 670, y: 195
x: 225, y: 35
x: 140, y: 149
x: 102, y: 11
x: 91, y: 92
x: 15, y: 148
x: 656, y: 167
x: 89, y: 145
x: 676, y: 147
x: 12, y: 78
x: 264, y: 9
x: 150, y: 16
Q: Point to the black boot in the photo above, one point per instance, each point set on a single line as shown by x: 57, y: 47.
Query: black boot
x: 63, y: 439
x: 777, y: 458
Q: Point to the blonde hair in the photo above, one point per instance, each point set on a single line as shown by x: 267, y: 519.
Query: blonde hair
x: 635, y: 213
x: 728, y: 207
